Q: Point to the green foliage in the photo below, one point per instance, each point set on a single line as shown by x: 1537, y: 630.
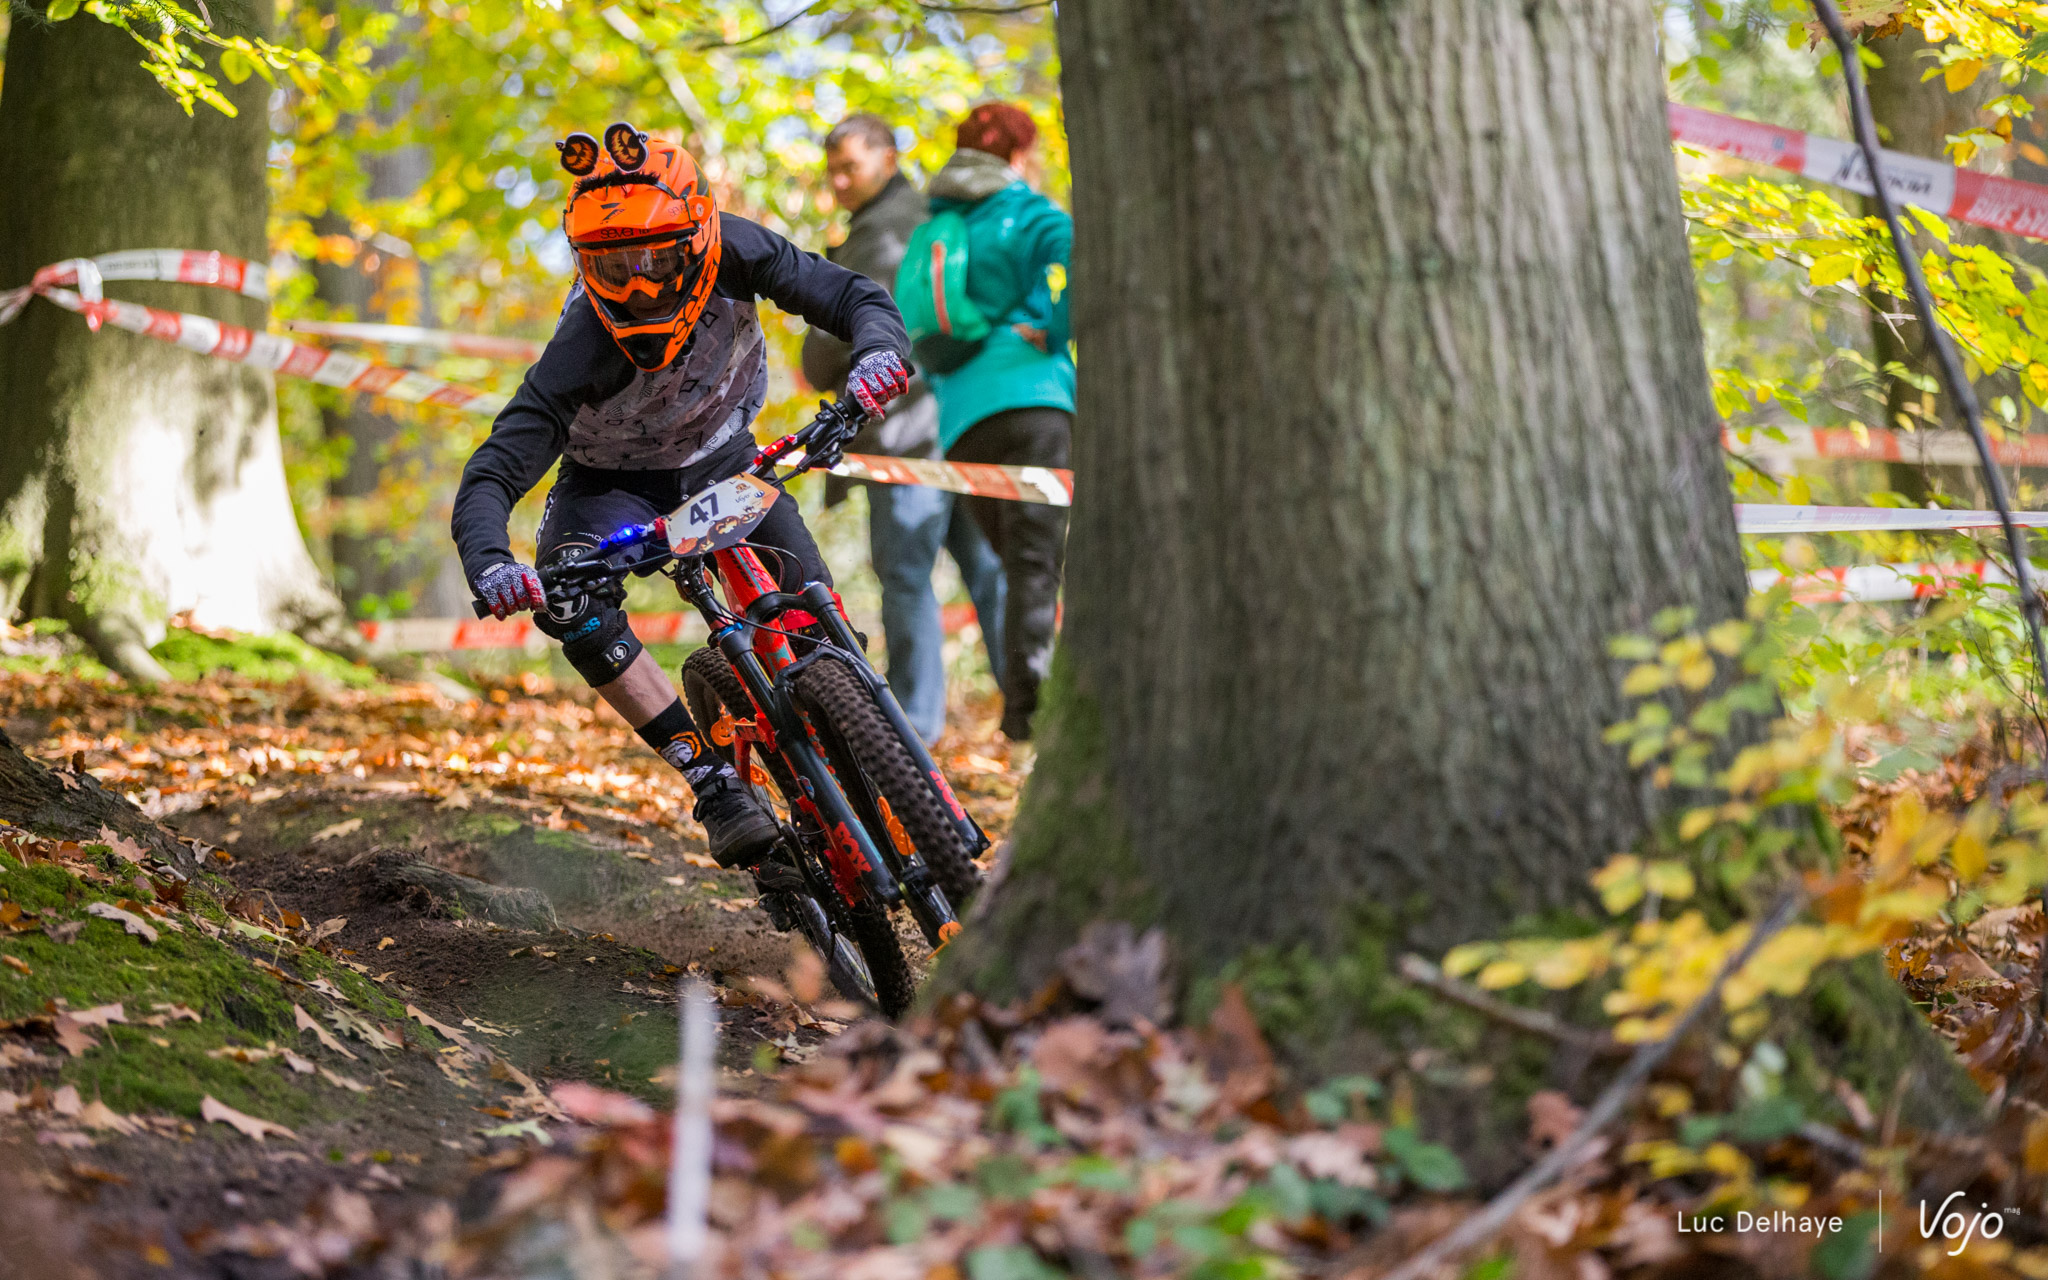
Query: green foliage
x: 168, y: 33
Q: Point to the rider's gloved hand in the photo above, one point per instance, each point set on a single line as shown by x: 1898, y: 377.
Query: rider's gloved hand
x: 879, y: 378
x: 509, y: 587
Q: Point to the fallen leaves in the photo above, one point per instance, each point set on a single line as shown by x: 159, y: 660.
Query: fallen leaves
x: 71, y: 1026
x: 305, y: 1022
x: 215, y: 1112
x: 19, y: 965
x: 346, y: 827
x: 327, y: 929
x: 127, y: 920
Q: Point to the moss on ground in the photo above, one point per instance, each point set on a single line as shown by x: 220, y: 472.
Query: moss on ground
x: 137, y: 1067
x: 193, y: 655
x: 274, y: 659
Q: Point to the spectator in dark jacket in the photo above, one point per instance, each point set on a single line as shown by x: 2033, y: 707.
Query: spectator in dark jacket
x: 1013, y: 401
x: 907, y: 524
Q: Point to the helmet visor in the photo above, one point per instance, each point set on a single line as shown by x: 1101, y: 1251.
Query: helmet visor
x: 641, y: 283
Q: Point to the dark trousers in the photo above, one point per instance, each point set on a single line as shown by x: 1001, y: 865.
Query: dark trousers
x: 1031, y: 539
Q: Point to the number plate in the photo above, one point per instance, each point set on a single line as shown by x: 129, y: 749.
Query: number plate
x: 720, y: 516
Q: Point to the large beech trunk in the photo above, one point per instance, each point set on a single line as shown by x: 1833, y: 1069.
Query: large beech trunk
x: 1392, y: 412
x: 137, y: 480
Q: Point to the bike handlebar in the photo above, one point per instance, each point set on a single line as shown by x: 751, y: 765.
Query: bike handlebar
x: 840, y: 421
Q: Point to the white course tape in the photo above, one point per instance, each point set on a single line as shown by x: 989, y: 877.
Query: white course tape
x: 1963, y: 194
x: 1774, y: 518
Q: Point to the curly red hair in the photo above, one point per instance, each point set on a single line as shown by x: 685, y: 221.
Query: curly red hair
x: 1000, y: 129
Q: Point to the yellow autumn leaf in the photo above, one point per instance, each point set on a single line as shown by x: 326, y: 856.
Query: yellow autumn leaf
x: 1728, y: 637
x: 1969, y: 855
x: 1669, y: 1099
x: 1726, y: 1160
x: 2038, y: 375
x: 1831, y: 269
x: 1962, y: 73
x: 1503, y: 973
x: 1645, y: 679
x: 1673, y: 880
x: 1570, y: 963
x: 1697, y: 673
x: 1695, y: 823
x: 2035, y: 1149
x: 1620, y: 882
x: 1460, y: 961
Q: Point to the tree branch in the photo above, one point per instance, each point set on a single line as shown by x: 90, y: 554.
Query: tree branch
x: 1485, y: 1224
x: 762, y: 34
x: 1027, y: 7
x: 1534, y: 1021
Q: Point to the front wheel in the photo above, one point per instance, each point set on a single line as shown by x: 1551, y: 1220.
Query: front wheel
x: 877, y: 973
x: 866, y: 753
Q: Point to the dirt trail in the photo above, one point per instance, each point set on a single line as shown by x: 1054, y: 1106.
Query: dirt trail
x: 306, y: 810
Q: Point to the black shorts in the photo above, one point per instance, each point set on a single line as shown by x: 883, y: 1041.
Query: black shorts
x: 588, y: 504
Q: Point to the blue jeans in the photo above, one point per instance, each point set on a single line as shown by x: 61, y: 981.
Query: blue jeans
x: 907, y: 524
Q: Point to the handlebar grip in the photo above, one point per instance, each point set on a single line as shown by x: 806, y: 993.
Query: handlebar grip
x: 482, y: 610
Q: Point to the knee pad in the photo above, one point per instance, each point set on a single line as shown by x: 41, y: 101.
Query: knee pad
x: 601, y: 646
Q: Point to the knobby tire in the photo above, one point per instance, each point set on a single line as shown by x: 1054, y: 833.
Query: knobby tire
x: 829, y: 692
x: 711, y: 688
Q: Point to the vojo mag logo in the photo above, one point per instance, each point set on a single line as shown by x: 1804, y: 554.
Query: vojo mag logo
x: 1961, y: 1224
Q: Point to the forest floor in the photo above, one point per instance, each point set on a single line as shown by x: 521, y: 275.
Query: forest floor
x: 305, y: 972
x: 379, y: 981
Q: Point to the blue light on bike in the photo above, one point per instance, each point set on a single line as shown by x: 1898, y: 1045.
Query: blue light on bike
x: 631, y: 535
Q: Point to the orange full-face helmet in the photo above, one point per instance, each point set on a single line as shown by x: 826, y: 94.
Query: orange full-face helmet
x: 645, y: 230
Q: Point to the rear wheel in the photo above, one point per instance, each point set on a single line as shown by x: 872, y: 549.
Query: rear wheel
x: 879, y: 974
x: 862, y: 743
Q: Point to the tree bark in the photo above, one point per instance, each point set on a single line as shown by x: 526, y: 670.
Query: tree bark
x: 1393, y: 410
x: 137, y: 480
x: 1917, y: 116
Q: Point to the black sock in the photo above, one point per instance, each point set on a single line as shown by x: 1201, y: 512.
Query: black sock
x: 674, y: 737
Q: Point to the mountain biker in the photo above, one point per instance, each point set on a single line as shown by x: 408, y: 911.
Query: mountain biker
x: 646, y: 393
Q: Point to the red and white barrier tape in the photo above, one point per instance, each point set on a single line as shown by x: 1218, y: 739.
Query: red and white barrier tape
x: 1875, y: 444
x: 353, y: 373
x: 1963, y: 194
x: 1878, y: 582
x: 1053, y: 486
x: 210, y: 337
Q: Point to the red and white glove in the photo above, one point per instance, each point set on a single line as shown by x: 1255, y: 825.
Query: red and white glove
x: 879, y: 378
x: 509, y: 587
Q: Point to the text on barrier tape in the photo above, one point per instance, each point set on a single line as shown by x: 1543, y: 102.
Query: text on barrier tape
x: 2005, y: 204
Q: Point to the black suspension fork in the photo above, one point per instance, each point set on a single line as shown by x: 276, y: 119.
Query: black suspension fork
x: 817, y: 598
x: 843, y: 827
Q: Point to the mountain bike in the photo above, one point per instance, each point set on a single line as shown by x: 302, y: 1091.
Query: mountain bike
x: 783, y: 691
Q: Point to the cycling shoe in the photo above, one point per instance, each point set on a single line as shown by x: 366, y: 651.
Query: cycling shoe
x: 739, y: 830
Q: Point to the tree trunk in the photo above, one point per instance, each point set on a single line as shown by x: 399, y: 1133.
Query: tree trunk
x: 137, y: 480
x: 1917, y: 116
x: 1392, y: 364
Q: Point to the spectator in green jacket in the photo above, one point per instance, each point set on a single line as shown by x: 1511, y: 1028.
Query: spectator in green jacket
x: 1013, y: 401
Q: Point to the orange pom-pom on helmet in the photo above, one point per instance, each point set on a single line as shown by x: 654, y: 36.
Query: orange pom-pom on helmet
x: 645, y: 231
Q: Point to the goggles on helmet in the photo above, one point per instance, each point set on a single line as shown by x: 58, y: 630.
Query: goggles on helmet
x: 640, y: 284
